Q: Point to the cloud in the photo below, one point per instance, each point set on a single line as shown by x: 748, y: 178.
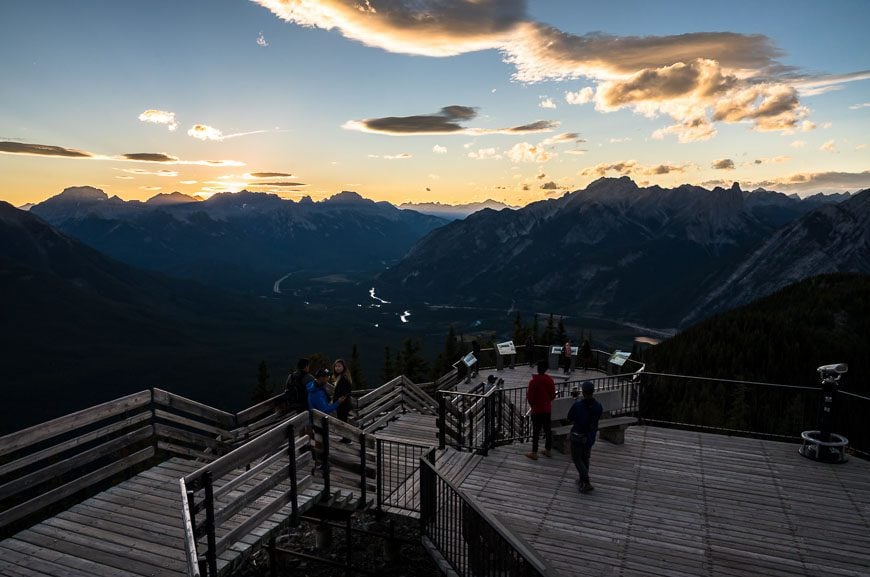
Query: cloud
x: 862, y: 105
x: 546, y: 102
x: 550, y: 186
x: 525, y: 152
x: 42, y: 150
x: 575, y: 152
x: 438, y: 149
x: 582, y: 96
x: 620, y: 140
x: 150, y: 157
x: 204, y: 132
x: 798, y: 144
x: 400, y: 156
x: 124, y: 177
x: 160, y: 117
x: 187, y: 181
x: 447, y: 121
x: 168, y: 159
x: 723, y: 164
x: 818, y: 181
x: 829, y: 146
x: 284, y: 184
x: 861, y: 147
x: 140, y: 171
x: 152, y: 188
x: 695, y: 78
x: 562, y: 138
x: 772, y: 160
x: 261, y: 40
x: 485, y: 154
x: 269, y: 175
x: 631, y: 168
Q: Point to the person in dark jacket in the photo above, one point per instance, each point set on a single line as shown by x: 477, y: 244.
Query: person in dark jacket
x: 540, y: 395
x: 317, y: 397
x: 295, y: 388
x: 584, y: 413
x: 530, y: 350
x: 475, y: 349
x: 567, y: 351
x: 343, y: 386
x: 585, y: 355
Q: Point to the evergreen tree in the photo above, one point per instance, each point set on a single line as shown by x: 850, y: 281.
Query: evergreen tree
x: 356, y: 372
x: 320, y: 361
x: 411, y: 363
x: 519, y: 329
x: 264, y: 389
x: 388, y: 371
x: 561, y: 335
x: 550, y: 332
x: 445, y: 359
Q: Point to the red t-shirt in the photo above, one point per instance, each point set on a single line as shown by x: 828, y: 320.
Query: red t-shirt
x: 540, y: 395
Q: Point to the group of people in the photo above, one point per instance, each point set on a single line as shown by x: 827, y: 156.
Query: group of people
x: 325, y: 390
x: 583, y: 414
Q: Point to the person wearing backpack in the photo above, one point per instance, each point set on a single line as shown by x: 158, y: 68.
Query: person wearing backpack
x: 584, y: 413
x: 296, y: 391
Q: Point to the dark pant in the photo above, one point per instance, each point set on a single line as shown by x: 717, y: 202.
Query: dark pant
x: 580, y: 453
x: 539, y: 421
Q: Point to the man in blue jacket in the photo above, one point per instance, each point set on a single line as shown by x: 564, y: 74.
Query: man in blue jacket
x: 584, y: 413
x: 317, y: 397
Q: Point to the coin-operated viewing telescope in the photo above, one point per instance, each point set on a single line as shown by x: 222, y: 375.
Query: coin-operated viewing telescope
x: 824, y: 444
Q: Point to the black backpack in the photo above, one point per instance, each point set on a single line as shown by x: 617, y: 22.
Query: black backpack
x: 296, y: 391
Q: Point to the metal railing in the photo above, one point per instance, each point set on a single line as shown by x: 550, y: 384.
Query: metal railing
x: 470, y: 540
x: 747, y: 408
x: 398, y: 475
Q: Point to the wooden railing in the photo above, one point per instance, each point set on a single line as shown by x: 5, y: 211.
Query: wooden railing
x: 47, y: 464
x: 378, y: 407
x: 228, y: 498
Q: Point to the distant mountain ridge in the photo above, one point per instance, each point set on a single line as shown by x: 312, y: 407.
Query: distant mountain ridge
x: 454, y: 212
x: 614, y: 250
x: 243, y: 240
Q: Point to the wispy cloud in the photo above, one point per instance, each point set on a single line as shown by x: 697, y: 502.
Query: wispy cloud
x: 42, y: 150
x: 723, y: 164
x: 269, y: 175
x: 829, y: 146
x: 261, y: 40
x: 772, y: 160
x: 525, y: 152
x: 151, y: 188
x: 546, y: 102
x: 279, y: 184
x: 798, y: 144
x: 817, y: 182
x: 160, y: 117
x: 205, y: 132
x: 438, y: 149
x: 447, y: 121
x: 140, y: 171
x: 485, y: 154
x: 400, y: 156
x: 631, y: 168
x: 862, y: 105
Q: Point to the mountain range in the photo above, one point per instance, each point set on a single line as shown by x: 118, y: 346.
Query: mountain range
x: 454, y: 211
x: 649, y: 256
x: 243, y: 241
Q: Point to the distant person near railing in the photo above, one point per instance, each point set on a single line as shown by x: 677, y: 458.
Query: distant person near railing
x: 540, y: 395
x: 475, y: 349
x: 530, y: 350
x: 586, y: 358
x: 296, y: 387
x: 342, y: 387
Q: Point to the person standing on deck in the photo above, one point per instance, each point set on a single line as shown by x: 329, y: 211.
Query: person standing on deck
x: 566, y: 355
x: 584, y: 413
x: 295, y: 389
x: 475, y: 350
x: 585, y: 354
x: 540, y: 395
x: 530, y: 349
x: 343, y: 386
x: 317, y: 397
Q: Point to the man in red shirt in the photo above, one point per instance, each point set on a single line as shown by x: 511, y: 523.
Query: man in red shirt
x: 540, y: 395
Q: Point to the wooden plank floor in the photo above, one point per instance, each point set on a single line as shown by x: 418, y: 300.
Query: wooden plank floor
x: 675, y: 503
x: 132, y: 529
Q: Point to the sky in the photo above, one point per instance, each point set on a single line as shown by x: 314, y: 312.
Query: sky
x: 450, y: 101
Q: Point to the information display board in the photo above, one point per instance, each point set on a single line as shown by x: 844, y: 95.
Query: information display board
x: 469, y: 359
x: 555, y: 350
x: 618, y: 358
x: 506, y: 348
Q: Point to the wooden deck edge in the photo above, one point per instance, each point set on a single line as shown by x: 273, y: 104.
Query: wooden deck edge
x: 438, y: 558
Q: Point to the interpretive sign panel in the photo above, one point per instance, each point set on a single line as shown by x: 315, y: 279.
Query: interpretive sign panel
x: 555, y: 350
x: 618, y: 358
x: 469, y: 359
x: 506, y: 348
x: 574, y: 351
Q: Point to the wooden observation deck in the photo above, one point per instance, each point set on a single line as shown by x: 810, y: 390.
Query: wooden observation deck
x: 157, y: 485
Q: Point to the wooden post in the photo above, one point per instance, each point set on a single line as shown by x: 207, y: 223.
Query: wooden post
x: 294, y: 489
x: 363, y: 477
x: 210, y: 556
x: 442, y: 422
x: 327, y: 490
x: 379, y: 474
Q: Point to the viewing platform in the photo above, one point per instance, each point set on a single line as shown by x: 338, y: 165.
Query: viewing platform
x: 156, y: 484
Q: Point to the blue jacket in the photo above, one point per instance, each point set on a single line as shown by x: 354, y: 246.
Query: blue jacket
x: 585, y: 414
x: 317, y: 398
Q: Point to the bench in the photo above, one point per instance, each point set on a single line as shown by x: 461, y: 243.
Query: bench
x: 609, y: 428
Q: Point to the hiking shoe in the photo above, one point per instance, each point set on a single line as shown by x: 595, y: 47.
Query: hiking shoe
x: 547, y: 453
x: 533, y: 456
x: 586, y: 487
